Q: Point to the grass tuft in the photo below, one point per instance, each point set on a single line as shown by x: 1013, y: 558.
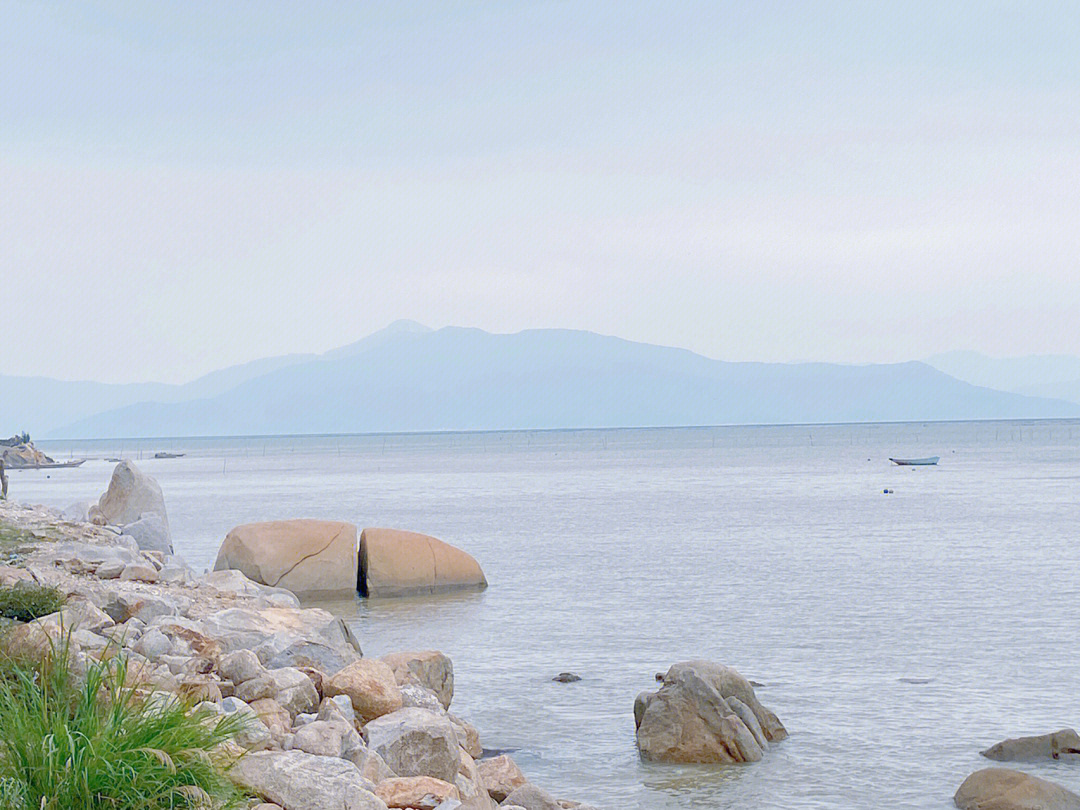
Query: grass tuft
x: 24, y: 603
x: 91, y: 742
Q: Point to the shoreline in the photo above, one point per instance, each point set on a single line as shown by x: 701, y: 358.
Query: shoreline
x: 181, y: 630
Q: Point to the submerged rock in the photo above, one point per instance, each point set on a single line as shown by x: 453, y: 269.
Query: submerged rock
x: 1043, y: 746
x: 704, y: 712
x: 308, y: 557
x: 400, y: 563
x: 1006, y: 789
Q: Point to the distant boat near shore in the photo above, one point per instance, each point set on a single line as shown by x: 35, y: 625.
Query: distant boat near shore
x: 51, y: 465
x: 168, y: 455
x: 916, y: 462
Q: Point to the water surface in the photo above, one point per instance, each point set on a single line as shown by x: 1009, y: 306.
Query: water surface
x: 771, y: 549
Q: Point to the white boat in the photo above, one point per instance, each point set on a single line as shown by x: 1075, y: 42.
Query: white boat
x: 915, y: 462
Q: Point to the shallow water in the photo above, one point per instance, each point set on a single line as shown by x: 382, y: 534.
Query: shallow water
x: 772, y: 549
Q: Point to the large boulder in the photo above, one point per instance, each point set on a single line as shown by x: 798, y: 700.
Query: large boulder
x: 308, y: 557
x: 415, y: 742
x: 1006, y: 789
x: 132, y: 494
x: 295, y: 780
x: 151, y: 533
x: 1043, y: 746
x: 704, y: 712
x: 429, y: 668
x: 400, y: 563
x: 370, y: 685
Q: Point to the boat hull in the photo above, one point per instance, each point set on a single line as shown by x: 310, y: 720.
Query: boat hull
x: 916, y: 462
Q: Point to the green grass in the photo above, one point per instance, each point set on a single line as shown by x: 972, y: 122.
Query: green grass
x: 28, y: 602
x: 92, y: 743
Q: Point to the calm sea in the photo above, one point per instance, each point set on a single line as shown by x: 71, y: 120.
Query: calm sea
x: 771, y: 549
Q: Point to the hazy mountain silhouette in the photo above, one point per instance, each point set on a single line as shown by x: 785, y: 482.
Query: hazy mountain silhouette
x: 407, y: 378
x: 1043, y: 375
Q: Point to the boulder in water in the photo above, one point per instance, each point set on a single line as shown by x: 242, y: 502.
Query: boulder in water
x: 704, y: 712
x: 1006, y: 789
x: 308, y: 557
x: 1043, y: 746
x: 400, y: 563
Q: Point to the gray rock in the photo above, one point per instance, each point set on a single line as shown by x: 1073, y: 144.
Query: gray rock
x: 413, y: 695
x: 143, y: 606
x: 130, y: 495
x: 314, y: 654
x: 150, y: 533
x: 299, y: 781
x: 566, y: 677
x: 1044, y: 746
x: 139, y: 572
x: 240, y: 666
x: 749, y: 720
x: 326, y: 738
x: 531, y: 797
x: 371, y: 765
x: 153, y: 644
x: 294, y: 690
x: 110, y: 569
x: 261, y: 686
x: 337, y: 708
x: 415, y: 742
x: 270, y: 630
x: 233, y: 581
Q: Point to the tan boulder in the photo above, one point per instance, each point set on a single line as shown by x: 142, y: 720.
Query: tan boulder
x: 369, y: 684
x: 1043, y: 746
x: 308, y: 557
x: 429, y: 668
x: 415, y: 791
x: 1006, y: 789
x: 500, y: 776
x: 394, y: 562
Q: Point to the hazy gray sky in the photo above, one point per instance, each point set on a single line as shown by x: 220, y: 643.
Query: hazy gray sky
x: 188, y: 185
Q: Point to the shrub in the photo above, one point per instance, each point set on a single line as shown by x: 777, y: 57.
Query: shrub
x: 93, y: 743
x: 25, y: 603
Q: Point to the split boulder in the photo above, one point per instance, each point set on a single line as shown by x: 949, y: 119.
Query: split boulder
x: 400, y: 563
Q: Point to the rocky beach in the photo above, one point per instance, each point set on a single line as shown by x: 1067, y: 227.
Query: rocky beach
x: 325, y: 727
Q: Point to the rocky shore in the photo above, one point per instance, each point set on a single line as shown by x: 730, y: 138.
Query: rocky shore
x: 327, y: 727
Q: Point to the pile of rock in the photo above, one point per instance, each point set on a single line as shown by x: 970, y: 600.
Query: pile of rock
x: 327, y: 727
x: 134, y: 503
x: 704, y: 712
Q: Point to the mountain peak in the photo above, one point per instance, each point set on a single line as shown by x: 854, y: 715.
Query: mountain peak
x: 402, y: 329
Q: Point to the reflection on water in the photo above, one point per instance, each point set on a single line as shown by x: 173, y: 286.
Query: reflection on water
x: 772, y: 549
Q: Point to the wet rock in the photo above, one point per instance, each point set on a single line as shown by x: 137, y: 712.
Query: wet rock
x: 566, y: 677
x: 298, y: 781
x: 429, y: 668
x: 1006, y: 789
x: 690, y: 720
x: 415, y: 742
x: 370, y: 685
x: 500, y: 776
x: 1044, y: 746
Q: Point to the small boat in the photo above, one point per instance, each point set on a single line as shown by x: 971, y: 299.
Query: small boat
x: 52, y: 465
x: 168, y: 455
x: 915, y: 462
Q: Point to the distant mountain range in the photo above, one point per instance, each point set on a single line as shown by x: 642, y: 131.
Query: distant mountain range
x: 1056, y: 376
x: 410, y: 378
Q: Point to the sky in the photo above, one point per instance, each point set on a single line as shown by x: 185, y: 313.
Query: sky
x: 184, y: 186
